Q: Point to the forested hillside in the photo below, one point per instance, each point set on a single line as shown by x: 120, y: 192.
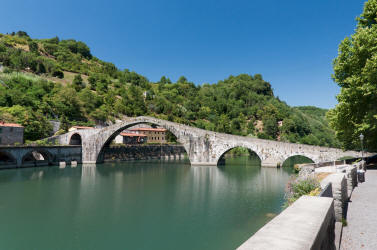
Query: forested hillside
x: 53, y: 79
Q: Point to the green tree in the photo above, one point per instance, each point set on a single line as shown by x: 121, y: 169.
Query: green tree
x: 92, y: 82
x: 33, y: 47
x: 270, y: 127
x: 22, y: 33
x: 224, y: 124
x: 78, y: 83
x: 64, y: 123
x: 355, y: 71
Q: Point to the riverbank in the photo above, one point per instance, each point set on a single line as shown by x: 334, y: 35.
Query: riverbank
x: 316, y: 222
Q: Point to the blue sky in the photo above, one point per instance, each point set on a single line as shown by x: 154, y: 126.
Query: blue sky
x: 291, y: 43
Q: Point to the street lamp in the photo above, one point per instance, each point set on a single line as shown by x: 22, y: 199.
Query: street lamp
x: 362, y: 148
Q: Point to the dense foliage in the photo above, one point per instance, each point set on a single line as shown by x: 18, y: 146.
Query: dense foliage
x: 355, y: 71
x: 61, y: 79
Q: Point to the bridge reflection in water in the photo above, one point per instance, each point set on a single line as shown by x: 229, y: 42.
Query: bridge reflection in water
x: 138, y: 205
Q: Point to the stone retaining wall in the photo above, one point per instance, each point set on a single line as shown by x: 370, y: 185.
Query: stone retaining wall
x: 351, y: 176
x: 339, y: 191
x: 142, y: 152
x: 307, y: 224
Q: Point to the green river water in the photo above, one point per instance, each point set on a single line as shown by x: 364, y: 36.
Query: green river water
x: 139, y: 205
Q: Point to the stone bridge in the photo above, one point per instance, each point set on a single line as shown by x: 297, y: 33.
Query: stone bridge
x: 203, y: 147
x: 30, y: 156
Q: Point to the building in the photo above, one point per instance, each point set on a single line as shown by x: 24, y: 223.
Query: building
x: 78, y: 128
x: 11, y: 133
x: 154, y: 135
x: 130, y: 138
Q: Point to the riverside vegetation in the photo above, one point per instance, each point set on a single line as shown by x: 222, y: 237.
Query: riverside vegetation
x: 53, y: 79
x: 355, y: 71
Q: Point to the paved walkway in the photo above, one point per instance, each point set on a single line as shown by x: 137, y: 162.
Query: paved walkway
x: 361, y: 232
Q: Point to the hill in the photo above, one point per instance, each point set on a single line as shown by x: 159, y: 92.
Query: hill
x: 44, y: 79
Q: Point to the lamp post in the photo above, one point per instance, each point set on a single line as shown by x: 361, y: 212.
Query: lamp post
x: 362, y: 148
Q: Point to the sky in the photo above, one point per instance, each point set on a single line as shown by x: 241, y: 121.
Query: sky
x: 291, y: 43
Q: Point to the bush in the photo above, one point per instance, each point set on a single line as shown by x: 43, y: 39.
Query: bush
x: 60, y: 132
x: 296, y: 189
x: 33, y: 47
x: 58, y: 73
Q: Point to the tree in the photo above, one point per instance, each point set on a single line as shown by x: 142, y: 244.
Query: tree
x: 84, y: 50
x: 33, y: 47
x: 92, y: 82
x: 64, y: 123
x: 182, y: 79
x: 21, y: 33
x: 78, y: 83
x: 270, y: 127
x: 223, y: 124
x: 58, y: 73
x: 355, y: 71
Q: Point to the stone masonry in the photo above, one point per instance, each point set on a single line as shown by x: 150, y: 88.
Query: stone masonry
x: 203, y: 147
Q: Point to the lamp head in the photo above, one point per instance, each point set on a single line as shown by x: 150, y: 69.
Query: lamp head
x: 361, y: 136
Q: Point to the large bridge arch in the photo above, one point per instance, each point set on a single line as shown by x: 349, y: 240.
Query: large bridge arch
x: 108, y: 134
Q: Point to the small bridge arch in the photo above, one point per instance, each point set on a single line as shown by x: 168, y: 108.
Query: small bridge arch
x: 75, y: 139
x: 6, y: 158
x: 37, y: 156
x: 220, y: 158
x: 301, y: 158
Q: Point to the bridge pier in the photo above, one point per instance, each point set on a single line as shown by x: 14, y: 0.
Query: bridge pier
x: 197, y: 164
x: 271, y: 163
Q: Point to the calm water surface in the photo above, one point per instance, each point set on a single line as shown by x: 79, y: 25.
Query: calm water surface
x: 141, y: 205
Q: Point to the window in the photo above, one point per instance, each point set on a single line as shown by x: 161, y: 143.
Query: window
x: 1, y: 130
x: 0, y: 140
x: 11, y: 129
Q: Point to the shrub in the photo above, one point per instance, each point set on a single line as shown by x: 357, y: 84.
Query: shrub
x: 60, y: 132
x: 58, y: 73
x: 297, y: 188
x: 33, y: 47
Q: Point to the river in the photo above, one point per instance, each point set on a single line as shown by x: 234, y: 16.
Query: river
x: 138, y: 205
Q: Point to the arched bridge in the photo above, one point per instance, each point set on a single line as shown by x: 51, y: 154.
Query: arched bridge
x: 29, y: 156
x: 203, y: 147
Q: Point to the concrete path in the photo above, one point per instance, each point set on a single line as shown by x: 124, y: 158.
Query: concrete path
x: 361, y: 232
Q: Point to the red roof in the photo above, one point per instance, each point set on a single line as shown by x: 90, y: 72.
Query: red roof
x: 3, y: 124
x: 149, y: 129
x: 131, y: 134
